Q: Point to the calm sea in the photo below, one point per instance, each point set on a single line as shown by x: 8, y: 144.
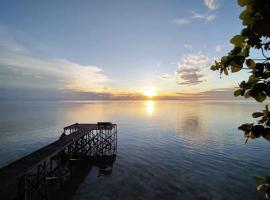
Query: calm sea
x: 166, y: 150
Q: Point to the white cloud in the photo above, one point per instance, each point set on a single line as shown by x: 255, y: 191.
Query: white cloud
x: 218, y: 48
x: 210, y: 17
x: 195, y: 16
x: 205, y: 17
x: 211, y: 4
x: 74, y: 76
x: 46, y: 72
x: 191, y: 69
x: 188, y: 46
x: 167, y: 77
x: 182, y: 21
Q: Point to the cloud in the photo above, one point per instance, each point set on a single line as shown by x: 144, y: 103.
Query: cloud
x: 195, y: 16
x: 36, y: 72
x: 205, y: 17
x: 182, y: 21
x: 190, y: 69
x: 188, y: 46
x: 210, y: 17
x: 167, y: 77
x: 189, y: 76
x: 218, y: 48
x: 211, y: 4
x: 71, y: 75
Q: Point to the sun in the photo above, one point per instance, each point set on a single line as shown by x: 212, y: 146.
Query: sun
x: 149, y: 92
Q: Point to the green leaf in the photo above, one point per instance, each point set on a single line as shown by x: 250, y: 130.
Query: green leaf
x: 249, y: 21
x: 224, y: 59
x: 237, y: 40
x: 247, y: 94
x: 263, y: 187
x: 243, y: 2
x: 250, y: 63
x: 250, y: 8
x: 245, y: 127
x: 252, y: 78
x: 235, y: 68
x: 244, y: 15
x: 266, y: 136
x: 214, y: 67
x: 242, y: 84
x: 226, y: 71
x: 257, y: 114
x: 244, y: 52
x: 260, y: 97
x: 238, y: 92
x: 256, y: 131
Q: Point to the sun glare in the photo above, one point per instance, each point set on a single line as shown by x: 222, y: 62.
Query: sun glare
x: 150, y: 92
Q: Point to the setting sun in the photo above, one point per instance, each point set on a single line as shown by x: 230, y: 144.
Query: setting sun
x: 150, y: 92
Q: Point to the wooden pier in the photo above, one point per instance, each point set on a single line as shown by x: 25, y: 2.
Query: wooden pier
x: 28, y: 177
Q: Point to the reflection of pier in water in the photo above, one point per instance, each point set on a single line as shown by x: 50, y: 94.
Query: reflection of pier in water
x: 37, y: 175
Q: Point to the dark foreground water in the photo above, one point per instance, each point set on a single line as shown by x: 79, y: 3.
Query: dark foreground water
x: 166, y: 150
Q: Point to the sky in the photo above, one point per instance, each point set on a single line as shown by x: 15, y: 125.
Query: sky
x: 120, y: 49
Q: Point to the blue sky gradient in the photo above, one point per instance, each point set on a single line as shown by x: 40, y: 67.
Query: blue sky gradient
x: 125, y: 45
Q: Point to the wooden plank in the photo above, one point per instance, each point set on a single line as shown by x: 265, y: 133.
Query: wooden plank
x: 15, y: 170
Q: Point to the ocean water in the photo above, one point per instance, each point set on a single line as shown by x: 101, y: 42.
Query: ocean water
x: 166, y: 149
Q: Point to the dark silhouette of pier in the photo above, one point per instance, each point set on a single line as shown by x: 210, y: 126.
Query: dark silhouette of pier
x: 35, y: 175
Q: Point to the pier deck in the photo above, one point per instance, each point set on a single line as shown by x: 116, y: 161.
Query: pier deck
x: 83, y: 140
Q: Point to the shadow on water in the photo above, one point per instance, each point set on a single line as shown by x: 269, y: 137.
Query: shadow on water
x: 80, y: 170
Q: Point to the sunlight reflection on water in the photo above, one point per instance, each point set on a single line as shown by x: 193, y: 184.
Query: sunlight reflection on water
x: 150, y: 107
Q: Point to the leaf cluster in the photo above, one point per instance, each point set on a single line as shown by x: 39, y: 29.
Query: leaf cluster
x: 255, y: 36
x: 264, y: 185
x: 262, y: 128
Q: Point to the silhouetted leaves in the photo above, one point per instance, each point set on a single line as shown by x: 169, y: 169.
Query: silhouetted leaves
x: 254, y: 36
x: 238, y: 40
x: 239, y: 92
x: 250, y: 63
x: 243, y: 2
x: 257, y: 114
